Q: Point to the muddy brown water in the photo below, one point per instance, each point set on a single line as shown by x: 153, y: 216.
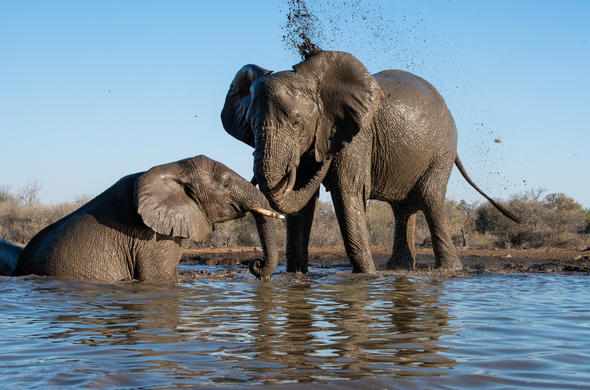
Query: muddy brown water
x: 330, y: 329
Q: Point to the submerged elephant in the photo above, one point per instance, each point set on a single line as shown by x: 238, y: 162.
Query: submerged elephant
x: 133, y: 229
x: 387, y: 136
x: 9, y: 254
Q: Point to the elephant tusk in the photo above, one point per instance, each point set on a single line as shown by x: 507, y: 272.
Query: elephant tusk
x: 291, y: 182
x: 268, y: 213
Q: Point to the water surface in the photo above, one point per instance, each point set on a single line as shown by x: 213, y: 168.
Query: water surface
x: 328, y: 329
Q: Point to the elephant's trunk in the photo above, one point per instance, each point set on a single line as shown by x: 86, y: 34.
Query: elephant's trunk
x: 263, y: 268
x: 284, y: 198
x: 265, y: 224
x: 287, y: 180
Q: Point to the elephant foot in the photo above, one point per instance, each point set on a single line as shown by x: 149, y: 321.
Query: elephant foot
x: 367, y: 267
x: 297, y: 268
x: 451, y: 263
x: 400, y: 263
x: 402, y: 258
x: 297, y: 259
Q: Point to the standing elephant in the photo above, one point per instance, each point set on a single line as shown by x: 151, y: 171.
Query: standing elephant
x: 387, y: 136
x: 133, y: 229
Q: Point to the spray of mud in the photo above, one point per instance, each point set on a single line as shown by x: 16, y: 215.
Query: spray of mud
x: 387, y: 36
x: 302, y: 29
x: 363, y: 28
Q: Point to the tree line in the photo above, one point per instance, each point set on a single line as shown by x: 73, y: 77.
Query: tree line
x: 549, y: 220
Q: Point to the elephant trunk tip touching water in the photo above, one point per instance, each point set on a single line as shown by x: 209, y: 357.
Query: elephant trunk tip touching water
x: 264, y: 218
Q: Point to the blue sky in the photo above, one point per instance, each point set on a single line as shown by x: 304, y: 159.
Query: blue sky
x: 92, y: 91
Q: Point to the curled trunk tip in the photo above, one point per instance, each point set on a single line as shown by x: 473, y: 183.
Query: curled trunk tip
x: 263, y: 268
x: 257, y: 268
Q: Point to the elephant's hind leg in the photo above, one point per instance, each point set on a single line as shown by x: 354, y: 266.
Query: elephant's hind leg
x: 403, y: 256
x: 444, y: 250
x: 433, y: 189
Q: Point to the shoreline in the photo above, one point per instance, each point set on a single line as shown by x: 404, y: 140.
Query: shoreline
x: 557, y: 261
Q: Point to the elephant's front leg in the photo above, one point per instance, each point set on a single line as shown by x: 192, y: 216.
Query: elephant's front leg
x: 156, y: 259
x: 352, y: 217
x: 298, y: 231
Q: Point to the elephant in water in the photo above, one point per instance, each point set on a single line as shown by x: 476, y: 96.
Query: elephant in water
x: 387, y: 136
x: 9, y: 254
x: 133, y: 229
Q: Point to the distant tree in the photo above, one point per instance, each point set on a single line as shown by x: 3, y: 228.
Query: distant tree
x: 5, y: 194
x: 587, y: 223
x: 246, y: 231
x: 29, y: 193
x: 380, y: 223
x: 564, y: 212
x: 461, y: 221
x: 325, y: 231
x: 549, y: 220
x: 553, y: 220
x: 82, y: 199
x: 234, y: 233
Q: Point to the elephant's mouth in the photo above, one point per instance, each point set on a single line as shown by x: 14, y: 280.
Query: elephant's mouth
x: 297, y: 187
x: 286, y: 184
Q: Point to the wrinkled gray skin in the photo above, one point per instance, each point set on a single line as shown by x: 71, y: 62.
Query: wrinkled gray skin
x: 133, y: 229
x: 9, y: 254
x: 387, y: 136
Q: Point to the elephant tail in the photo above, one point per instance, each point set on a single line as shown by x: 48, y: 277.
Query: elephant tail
x: 500, y: 208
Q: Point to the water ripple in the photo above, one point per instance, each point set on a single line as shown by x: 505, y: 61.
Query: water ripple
x: 328, y: 328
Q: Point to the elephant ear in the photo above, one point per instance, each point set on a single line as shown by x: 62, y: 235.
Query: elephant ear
x: 349, y: 97
x: 237, y: 101
x: 164, y: 204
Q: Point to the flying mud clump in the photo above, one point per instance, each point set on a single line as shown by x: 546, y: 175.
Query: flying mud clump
x: 301, y: 29
x: 382, y: 36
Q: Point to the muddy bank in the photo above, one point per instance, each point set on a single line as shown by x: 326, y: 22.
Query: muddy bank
x: 475, y: 261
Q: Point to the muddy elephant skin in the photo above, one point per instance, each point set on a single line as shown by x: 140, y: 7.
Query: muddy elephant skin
x: 387, y: 136
x: 133, y: 229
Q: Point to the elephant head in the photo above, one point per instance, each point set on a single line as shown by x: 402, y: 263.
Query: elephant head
x: 304, y: 115
x: 185, y: 198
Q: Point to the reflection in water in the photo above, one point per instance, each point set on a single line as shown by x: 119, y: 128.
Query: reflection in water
x: 350, y: 328
x: 324, y: 327
x: 120, y: 318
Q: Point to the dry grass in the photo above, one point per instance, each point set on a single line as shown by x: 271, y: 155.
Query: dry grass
x: 549, y: 221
